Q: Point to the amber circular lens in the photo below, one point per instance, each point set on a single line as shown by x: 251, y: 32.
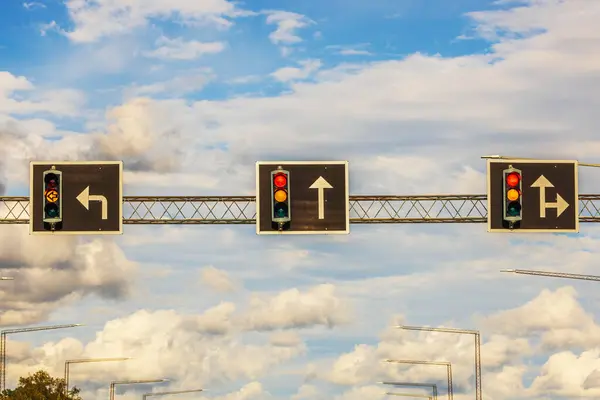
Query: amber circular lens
x: 280, y: 196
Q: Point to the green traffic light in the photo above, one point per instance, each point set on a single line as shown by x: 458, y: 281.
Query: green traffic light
x: 51, y: 210
x: 513, y: 209
x: 280, y: 211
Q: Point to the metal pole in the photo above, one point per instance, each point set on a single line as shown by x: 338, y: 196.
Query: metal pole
x: 67, y: 363
x: 477, y: 335
x: 86, y: 360
x: 440, y: 363
x: 32, y: 329
x: 433, y: 386
x: 424, y: 396
x: 112, y: 384
x: 2, y: 359
x: 176, y: 392
x: 553, y: 274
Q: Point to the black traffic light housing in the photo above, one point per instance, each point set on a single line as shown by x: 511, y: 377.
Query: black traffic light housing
x: 281, y: 210
x: 52, y: 199
x: 512, y: 212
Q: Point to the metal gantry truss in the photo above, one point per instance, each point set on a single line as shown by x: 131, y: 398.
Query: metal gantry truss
x: 242, y: 209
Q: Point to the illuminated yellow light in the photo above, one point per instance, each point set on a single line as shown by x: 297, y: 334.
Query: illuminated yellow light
x: 512, y: 194
x: 280, y: 196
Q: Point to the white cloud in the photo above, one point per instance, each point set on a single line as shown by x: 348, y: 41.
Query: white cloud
x: 179, y: 49
x: 32, y: 5
x: 308, y: 68
x: 215, y: 341
x: 217, y: 279
x: 18, y: 96
x: 53, y: 271
x: 288, y: 23
x: 293, y: 309
x: 99, y: 18
x: 182, y: 84
x: 351, y: 50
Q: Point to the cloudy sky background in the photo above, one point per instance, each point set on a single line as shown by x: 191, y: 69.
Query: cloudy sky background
x: 190, y: 94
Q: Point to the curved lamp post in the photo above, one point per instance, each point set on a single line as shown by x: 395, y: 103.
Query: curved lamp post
x: 9, y: 331
x: 114, y: 383
x: 176, y: 392
x: 477, y: 336
x: 85, y: 360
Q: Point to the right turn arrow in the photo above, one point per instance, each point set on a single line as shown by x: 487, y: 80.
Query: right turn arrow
x: 561, y: 205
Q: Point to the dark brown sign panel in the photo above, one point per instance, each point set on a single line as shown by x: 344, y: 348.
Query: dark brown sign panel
x: 318, y: 197
x: 92, y: 197
x: 550, y: 197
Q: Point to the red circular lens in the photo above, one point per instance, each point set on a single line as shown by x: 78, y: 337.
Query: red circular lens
x: 513, y: 179
x: 280, y: 180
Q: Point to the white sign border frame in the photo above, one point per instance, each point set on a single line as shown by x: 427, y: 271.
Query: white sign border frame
x: 316, y: 163
x: 63, y: 233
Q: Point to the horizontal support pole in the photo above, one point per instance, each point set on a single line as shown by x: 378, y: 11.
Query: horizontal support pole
x: 219, y: 210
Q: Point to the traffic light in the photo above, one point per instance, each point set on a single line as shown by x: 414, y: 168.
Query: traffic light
x: 513, y: 188
x: 52, y: 199
x: 281, y: 212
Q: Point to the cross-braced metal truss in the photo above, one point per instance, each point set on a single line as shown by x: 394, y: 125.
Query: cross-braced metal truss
x: 242, y: 209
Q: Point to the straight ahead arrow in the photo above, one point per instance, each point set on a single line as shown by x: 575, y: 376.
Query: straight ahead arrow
x: 321, y: 184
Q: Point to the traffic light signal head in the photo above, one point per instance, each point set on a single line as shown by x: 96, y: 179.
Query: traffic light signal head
x: 52, y: 196
x: 281, y: 212
x: 513, y: 188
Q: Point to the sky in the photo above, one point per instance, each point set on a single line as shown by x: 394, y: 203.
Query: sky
x: 190, y: 94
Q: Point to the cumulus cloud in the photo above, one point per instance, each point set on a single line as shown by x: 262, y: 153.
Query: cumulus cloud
x: 287, y: 25
x: 165, y: 343
x: 101, y: 18
x: 180, y: 49
x: 294, y: 309
x: 308, y: 68
x: 217, y: 279
x: 18, y: 96
x: 52, y: 271
x: 557, y: 315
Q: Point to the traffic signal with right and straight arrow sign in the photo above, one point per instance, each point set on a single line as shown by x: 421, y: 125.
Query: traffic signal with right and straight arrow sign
x: 533, y: 195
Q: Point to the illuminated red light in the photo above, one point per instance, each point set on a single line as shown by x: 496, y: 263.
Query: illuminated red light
x: 513, y: 179
x: 280, y: 180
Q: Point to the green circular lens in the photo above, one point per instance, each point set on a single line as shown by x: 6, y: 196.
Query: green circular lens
x: 51, y: 210
x: 281, y: 211
x: 513, y: 209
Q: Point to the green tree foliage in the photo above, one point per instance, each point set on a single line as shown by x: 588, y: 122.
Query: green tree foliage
x: 40, y: 386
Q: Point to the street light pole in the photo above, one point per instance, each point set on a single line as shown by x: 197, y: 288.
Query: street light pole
x: 114, y: 383
x: 22, y: 330
x: 85, y: 360
x: 421, y: 396
x: 553, y: 274
x: 441, y: 363
x: 433, y: 386
x: 166, y: 393
x: 462, y: 332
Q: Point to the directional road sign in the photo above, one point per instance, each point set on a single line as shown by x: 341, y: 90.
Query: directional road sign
x: 90, y: 196
x: 316, y: 199
x: 550, y: 197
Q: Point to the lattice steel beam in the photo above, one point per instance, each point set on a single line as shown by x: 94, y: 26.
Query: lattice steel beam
x: 242, y: 209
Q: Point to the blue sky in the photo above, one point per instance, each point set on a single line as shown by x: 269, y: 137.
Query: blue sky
x: 191, y: 94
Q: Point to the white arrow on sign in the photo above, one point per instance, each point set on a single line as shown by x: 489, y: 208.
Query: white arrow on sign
x: 561, y: 205
x: 321, y: 184
x: 84, y: 198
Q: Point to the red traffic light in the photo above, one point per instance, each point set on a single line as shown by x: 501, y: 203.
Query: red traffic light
x: 513, y: 179
x: 280, y: 180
